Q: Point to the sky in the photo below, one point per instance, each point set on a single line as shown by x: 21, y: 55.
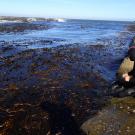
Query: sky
x: 74, y: 9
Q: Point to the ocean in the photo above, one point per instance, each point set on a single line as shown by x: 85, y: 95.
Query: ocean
x: 67, y: 32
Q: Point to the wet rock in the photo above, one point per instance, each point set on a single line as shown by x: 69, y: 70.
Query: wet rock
x: 8, y: 48
x: 3, y: 116
x: 71, y: 75
x: 21, y: 27
x: 117, y: 118
x: 12, y: 87
x: 131, y: 28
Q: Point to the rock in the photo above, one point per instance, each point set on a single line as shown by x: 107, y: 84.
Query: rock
x: 131, y: 28
x: 116, y: 119
x: 12, y: 87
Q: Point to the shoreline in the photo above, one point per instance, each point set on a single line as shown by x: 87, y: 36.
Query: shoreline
x: 66, y: 80
x: 64, y: 76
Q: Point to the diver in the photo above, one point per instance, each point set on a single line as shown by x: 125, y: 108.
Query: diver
x: 125, y: 84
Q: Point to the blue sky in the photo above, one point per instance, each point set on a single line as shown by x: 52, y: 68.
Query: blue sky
x: 78, y: 9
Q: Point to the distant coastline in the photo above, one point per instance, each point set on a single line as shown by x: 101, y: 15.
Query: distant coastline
x: 8, y: 19
x: 17, y: 19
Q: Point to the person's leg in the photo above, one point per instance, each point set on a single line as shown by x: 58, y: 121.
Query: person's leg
x: 124, y: 88
x: 117, y: 87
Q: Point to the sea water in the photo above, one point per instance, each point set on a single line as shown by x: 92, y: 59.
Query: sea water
x: 68, y: 32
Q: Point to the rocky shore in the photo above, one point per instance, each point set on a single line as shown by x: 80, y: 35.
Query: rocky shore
x: 22, y: 24
x: 117, y: 118
x: 58, y: 76
x: 66, y: 77
x: 55, y: 91
x: 26, y: 19
x: 21, y: 27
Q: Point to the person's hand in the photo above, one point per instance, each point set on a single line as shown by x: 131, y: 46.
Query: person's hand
x: 126, y: 77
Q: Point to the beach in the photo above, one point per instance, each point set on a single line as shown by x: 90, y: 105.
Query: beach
x: 52, y: 85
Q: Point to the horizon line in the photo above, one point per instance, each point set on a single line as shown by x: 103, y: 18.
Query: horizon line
x: 91, y: 19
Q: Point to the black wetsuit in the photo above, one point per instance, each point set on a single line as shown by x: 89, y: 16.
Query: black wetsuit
x: 124, y: 88
x: 132, y: 80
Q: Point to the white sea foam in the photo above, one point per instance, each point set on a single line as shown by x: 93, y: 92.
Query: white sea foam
x: 7, y: 21
x: 61, y: 20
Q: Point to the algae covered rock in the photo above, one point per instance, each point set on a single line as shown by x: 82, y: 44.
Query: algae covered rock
x: 116, y: 119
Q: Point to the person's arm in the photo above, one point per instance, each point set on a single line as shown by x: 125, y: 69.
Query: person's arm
x: 130, y: 73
